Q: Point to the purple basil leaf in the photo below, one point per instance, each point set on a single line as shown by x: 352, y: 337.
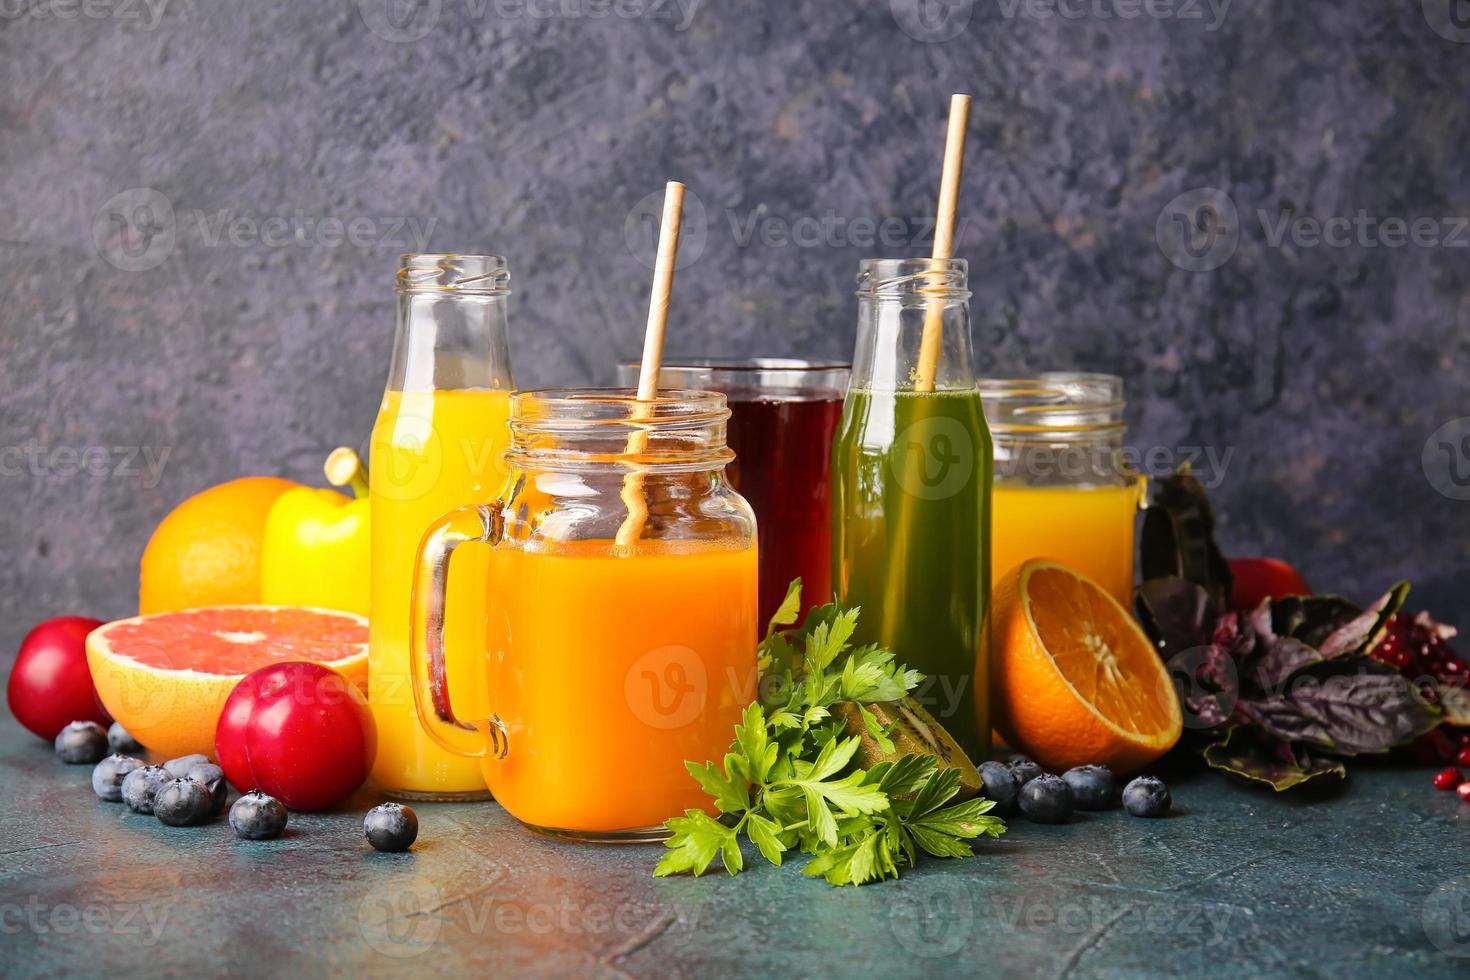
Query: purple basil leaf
x: 1178, y: 536
x: 1365, y: 708
x: 1356, y: 634
x: 1176, y: 613
x: 1251, y: 754
x: 1283, y: 657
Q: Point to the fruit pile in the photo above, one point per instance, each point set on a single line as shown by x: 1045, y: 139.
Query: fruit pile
x: 1042, y: 797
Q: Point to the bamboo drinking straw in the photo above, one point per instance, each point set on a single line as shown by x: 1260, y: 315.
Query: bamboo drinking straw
x: 930, y: 344
x: 653, y: 352
x: 949, y: 195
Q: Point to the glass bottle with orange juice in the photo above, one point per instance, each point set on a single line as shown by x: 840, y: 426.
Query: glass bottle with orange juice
x: 1062, y: 488
x: 609, y: 664
x: 437, y: 445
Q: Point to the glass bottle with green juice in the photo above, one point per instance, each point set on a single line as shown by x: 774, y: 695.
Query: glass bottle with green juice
x: 911, y: 474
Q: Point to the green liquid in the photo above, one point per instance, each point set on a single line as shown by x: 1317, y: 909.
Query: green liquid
x: 911, y: 478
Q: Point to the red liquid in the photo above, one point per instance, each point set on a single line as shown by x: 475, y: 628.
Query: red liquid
x: 783, y: 467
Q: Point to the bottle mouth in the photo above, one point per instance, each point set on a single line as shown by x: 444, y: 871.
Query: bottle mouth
x: 743, y: 378
x: 449, y: 272
x: 1054, y: 405
x: 681, y: 429
x: 904, y: 278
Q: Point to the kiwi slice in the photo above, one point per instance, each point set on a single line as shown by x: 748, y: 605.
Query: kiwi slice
x: 913, y: 732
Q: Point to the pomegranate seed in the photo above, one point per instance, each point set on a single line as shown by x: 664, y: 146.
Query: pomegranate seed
x: 1448, y: 779
x: 1464, y: 757
x: 1465, y: 739
x: 1464, y: 790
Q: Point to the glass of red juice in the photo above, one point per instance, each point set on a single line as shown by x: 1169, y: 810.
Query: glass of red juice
x: 783, y: 414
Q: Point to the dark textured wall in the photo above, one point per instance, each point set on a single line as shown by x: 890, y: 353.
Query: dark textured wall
x: 168, y: 293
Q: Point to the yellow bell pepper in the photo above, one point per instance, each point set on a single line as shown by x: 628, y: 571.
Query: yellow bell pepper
x: 315, y: 551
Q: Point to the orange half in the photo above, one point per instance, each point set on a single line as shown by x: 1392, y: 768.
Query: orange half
x: 1074, y: 680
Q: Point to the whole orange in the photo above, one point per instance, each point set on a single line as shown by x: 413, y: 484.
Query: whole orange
x: 206, y: 552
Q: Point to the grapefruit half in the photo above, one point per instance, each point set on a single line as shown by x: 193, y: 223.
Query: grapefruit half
x: 165, y: 677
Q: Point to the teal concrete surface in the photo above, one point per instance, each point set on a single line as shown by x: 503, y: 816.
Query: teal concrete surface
x: 1368, y: 880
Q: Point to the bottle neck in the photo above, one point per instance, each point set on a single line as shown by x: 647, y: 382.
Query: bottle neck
x: 453, y: 324
x: 900, y: 301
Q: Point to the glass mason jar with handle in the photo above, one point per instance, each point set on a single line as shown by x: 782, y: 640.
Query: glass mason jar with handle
x: 911, y: 491
x: 437, y: 445
x: 609, y: 664
x: 1063, y: 489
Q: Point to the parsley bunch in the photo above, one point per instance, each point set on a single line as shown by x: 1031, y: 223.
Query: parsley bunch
x: 788, y: 782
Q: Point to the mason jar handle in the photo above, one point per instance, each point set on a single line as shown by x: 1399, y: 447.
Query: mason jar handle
x: 478, y: 522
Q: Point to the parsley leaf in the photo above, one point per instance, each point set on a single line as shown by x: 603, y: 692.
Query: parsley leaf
x: 789, y: 782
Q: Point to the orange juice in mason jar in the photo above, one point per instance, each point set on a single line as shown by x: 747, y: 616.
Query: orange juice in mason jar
x: 609, y: 664
x: 1062, y: 487
x: 437, y: 445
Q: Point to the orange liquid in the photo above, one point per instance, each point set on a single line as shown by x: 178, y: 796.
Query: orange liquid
x: 1088, y: 529
x: 610, y: 670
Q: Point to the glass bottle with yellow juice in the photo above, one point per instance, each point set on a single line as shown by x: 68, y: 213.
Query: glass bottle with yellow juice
x: 437, y: 445
x: 1062, y: 487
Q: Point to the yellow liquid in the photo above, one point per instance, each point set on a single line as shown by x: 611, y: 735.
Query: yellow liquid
x: 1088, y: 529
x: 432, y: 451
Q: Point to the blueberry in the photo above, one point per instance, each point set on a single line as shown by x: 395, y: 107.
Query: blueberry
x: 1000, y: 786
x: 119, y: 740
x: 1093, y: 787
x: 213, y: 778
x: 179, y: 768
x: 141, y: 785
x: 81, y: 743
x: 182, y: 803
x: 1024, y: 769
x: 256, y: 816
x: 1147, y: 797
x: 1047, y: 799
x: 108, y: 777
x: 391, y: 827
